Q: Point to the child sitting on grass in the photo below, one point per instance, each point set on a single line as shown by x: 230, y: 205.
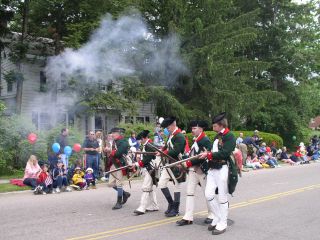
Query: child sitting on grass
x: 78, y: 179
x: 90, y: 178
x: 59, y: 178
x: 45, y: 181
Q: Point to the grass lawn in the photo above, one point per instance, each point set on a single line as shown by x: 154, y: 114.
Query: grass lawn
x: 7, y: 187
x: 16, y: 174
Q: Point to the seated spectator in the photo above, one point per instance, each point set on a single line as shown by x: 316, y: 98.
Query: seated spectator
x: 262, y: 149
x: 239, y: 139
x: 274, y: 149
x: 268, y: 159
x: 301, y: 154
x: 71, y: 170
x: 90, y: 178
x: 53, y: 160
x: 284, y: 157
x: 253, y: 162
x: 31, y: 172
x: 78, y: 178
x: 60, y: 178
x: 45, y: 183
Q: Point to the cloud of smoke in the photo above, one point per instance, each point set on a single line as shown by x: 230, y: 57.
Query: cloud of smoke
x: 120, y: 48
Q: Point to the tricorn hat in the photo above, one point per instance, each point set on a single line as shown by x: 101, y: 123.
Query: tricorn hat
x: 198, y: 123
x: 142, y: 134
x: 218, y: 117
x: 167, y: 122
x: 116, y: 129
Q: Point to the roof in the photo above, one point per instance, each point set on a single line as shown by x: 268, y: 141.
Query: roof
x: 315, y: 122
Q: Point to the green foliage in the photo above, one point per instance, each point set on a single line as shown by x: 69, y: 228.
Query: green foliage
x: 268, y: 138
x: 137, y: 128
x: 15, y: 148
x: 75, y: 136
x: 2, y: 107
x: 13, y: 76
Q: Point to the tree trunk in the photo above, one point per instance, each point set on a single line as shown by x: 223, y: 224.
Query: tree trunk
x: 24, y: 31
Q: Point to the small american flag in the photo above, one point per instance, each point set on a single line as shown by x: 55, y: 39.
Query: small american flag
x: 48, y: 180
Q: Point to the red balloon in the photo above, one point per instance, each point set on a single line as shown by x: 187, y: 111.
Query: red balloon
x: 77, y: 147
x: 32, y: 138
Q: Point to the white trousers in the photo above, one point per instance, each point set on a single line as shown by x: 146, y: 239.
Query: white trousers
x: 148, y: 199
x: 195, y: 176
x: 165, y: 178
x: 218, y: 178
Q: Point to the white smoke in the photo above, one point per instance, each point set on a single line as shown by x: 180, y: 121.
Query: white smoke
x: 119, y: 48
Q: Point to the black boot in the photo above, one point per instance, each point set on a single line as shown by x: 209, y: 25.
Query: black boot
x: 174, y: 210
x: 125, y: 197
x: 118, y: 204
x: 167, y: 195
x: 170, y: 206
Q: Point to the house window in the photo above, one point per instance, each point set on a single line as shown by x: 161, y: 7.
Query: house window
x: 44, y: 121
x: 9, y: 86
x: 128, y: 119
x: 140, y: 119
x: 147, y: 119
x: 43, y: 82
x: 61, y: 118
x: 35, y: 119
x: 98, y: 123
x: 70, y: 119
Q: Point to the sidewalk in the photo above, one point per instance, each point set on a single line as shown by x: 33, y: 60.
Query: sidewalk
x: 2, y: 181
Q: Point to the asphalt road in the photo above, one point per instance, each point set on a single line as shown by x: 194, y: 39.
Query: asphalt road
x: 278, y: 204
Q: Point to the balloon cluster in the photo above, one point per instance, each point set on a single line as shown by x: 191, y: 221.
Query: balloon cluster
x: 67, y: 149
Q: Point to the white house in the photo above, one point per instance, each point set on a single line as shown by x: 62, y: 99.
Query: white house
x: 45, y: 103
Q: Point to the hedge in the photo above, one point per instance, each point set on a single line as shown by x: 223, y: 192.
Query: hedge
x: 268, y: 138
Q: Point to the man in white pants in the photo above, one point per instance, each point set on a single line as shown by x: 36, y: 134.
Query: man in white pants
x: 148, y: 200
x: 217, y: 178
x: 197, y: 170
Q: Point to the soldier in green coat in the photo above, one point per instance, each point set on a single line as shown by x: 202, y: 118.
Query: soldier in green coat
x: 116, y: 155
x: 148, y: 200
x: 174, y: 148
x: 217, y: 178
x: 197, y: 170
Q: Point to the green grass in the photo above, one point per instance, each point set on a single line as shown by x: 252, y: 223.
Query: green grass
x: 7, y: 187
x: 15, y: 174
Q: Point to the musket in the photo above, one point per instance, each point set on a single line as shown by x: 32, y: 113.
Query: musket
x: 145, y: 153
x: 164, y: 155
x: 182, y: 161
x: 118, y: 169
x: 161, y: 152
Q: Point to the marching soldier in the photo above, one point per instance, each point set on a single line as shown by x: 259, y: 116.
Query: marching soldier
x: 174, y: 147
x: 148, y: 200
x: 217, y: 178
x: 116, y: 154
x: 197, y: 170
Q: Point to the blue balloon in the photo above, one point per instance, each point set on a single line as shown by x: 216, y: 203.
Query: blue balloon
x: 67, y: 150
x: 166, y: 132
x: 56, y: 147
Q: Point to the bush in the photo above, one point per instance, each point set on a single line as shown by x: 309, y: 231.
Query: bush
x: 268, y: 138
x: 75, y: 136
x: 15, y: 148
